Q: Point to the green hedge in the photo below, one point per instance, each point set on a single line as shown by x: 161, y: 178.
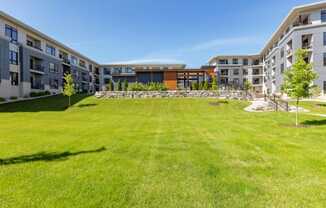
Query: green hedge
x: 2, y: 99
x: 39, y: 94
x: 153, y: 86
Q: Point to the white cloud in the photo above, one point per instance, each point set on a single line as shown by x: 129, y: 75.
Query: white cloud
x: 149, y: 61
x: 177, y: 54
x: 222, y: 42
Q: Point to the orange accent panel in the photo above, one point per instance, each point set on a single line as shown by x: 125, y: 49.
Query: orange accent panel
x: 170, y: 80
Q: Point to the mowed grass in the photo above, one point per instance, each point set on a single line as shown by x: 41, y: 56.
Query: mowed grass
x: 314, y: 107
x: 158, y: 153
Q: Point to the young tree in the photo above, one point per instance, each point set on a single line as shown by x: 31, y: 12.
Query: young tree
x: 315, y: 91
x: 109, y: 86
x: 247, y: 86
x: 298, y: 80
x: 205, y: 85
x: 119, y: 85
x: 125, y: 85
x: 69, y: 87
x: 214, y: 83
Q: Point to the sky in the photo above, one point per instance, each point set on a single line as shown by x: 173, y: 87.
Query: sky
x: 148, y: 31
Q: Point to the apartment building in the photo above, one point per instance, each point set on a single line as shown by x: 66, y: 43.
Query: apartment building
x: 31, y: 61
x: 304, y: 27
x: 234, y: 70
x: 174, y: 76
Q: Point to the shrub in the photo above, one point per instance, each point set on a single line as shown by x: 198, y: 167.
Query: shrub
x: 125, y: 85
x: 155, y: 86
x: 205, y: 85
x: 136, y: 87
x: 2, y: 99
x: 119, y: 85
x: 194, y: 86
x: 39, y: 94
x: 214, y: 83
x: 152, y: 86
x: 13, y: 98
x: 109, y: 86
x: 201, y: 86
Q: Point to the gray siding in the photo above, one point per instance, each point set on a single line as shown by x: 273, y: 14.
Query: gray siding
x: 4, y: 59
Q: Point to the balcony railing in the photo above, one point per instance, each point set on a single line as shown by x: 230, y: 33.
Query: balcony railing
x: 307, y: 46
x: 65, y: 60
x: 31, y: 44
x: 38, y: 67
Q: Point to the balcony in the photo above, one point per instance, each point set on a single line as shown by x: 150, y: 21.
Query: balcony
x: 34, y: 44
x: 37, y: 86
x: 306, y: 41
x: 302, y: 20
x: 37, y: 68
x: 257, y: 73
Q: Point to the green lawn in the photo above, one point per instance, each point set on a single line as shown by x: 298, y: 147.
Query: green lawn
x: 314, y: 107
x: 158, y: 153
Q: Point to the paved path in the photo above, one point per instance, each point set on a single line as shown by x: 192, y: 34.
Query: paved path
x: 258, y: 106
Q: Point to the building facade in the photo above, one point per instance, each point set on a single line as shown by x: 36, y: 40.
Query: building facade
x: 233, y: 71
x: 174, y: 76
x: 304, y: 27
x: 30, y: 61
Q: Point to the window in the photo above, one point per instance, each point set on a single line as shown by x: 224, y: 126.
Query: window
x: 235, y: 61
x: 324, y: 59
x: 256, y: 81
x: 11, y: 33
x: 90, y: 67
x: 54, y: 84
x: 282, y: 52
x: 324, y: 87
x: 282, y: 68
x: 245, y: 72
x: 107, y: 71
x: 323, y: 15
x: 53, y: 68
x: 273, y: 60
x: 14, y: 78
x: 245, y: 62
x: 74, y: 60
x: 13, y: 57
x: 82, y: 63
x: 224, y: 81
x: 225, y: 72
x: 235, y: 71
x: 50, y: 50
x: 324, y: 38
x: 223, y: 61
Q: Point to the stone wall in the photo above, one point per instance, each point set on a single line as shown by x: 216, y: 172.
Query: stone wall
x: 171, y: 94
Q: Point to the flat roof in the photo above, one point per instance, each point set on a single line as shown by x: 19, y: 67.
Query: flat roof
x: 182, y: 66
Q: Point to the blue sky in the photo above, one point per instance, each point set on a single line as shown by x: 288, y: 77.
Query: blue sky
x: 185, y: 31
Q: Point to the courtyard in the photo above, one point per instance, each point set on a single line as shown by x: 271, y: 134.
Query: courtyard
x: 159, y: 153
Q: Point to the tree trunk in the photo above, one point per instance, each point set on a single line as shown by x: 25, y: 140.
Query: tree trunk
x: 69, y: 101
x: 297, y: 114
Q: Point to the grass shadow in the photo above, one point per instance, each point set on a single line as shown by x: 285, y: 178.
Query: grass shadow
x: 314, y: 122
x: 321, y: 104
x: 46, y: 157
x: 86, y: 105
x: 218, y: 102
x: 53, y: 103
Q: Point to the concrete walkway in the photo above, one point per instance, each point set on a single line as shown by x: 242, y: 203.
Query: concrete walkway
x: 259, y: 105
